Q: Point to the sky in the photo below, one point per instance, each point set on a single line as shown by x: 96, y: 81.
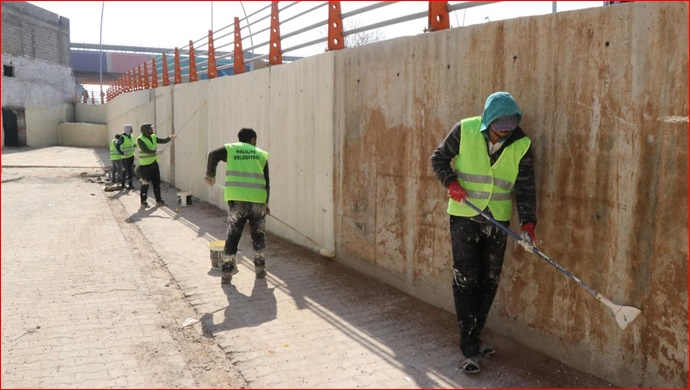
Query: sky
x: 170, y: 24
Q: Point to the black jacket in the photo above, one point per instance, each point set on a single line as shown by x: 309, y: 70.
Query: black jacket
x: 525, y: 189
x: 120, y: 141
x: 143, y: 148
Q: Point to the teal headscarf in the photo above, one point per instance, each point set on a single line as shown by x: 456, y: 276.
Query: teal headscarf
x: 499, y: 104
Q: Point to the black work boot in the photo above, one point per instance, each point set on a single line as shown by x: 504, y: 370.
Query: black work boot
x: 228, y: 268
x: 260, y: 265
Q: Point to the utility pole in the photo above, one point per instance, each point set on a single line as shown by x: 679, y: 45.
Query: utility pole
x: 100, y: 52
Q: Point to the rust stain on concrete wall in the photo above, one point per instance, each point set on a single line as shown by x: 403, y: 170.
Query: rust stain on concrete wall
x: 604, y: 97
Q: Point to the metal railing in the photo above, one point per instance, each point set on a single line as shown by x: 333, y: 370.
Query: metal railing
x: 304, y: 28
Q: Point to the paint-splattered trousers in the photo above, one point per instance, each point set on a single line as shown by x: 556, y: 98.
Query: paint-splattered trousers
x: 238, y: 215
x: 478, y: 249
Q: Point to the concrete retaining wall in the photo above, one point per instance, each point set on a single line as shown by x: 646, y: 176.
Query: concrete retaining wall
x: 83, y: 134
x: 42, y: 122
x: 350, y: 133
x: 90, y: 113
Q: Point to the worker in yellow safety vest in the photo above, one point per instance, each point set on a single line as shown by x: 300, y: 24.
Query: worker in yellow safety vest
x: 125, y: 147
x: 493, y: 161
x: 116, y: 160
x: 148, y: 161
x: 247, y: 189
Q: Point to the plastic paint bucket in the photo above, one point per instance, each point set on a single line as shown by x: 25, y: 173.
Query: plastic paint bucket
x: 216, y: 250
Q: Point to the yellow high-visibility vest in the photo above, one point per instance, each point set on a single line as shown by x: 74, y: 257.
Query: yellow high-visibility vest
x: 146, y: 158
x: 244, y: 175
x: 486, y: 184
x: 127, y: 147
x: 114, y: 154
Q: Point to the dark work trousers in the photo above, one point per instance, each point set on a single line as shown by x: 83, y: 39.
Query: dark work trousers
x: 238, y: 214
x: 127, y: 165
x: 478, y: 249
x: 117, y: 171
x: 151, y: 174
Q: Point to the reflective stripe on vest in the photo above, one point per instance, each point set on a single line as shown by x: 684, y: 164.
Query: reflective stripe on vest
x: 146, y: 158
x: 486, y: 184
x: 114, y: 154
x: 244, y: 175
x: 127, y: 147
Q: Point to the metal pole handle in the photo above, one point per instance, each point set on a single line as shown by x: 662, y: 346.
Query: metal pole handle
x: 534, y: 249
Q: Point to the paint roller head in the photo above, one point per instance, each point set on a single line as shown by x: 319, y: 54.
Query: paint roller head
x: 625, y: 315
x: 327, y: 252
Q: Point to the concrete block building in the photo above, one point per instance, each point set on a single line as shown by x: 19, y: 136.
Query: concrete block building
x: 38, y: 85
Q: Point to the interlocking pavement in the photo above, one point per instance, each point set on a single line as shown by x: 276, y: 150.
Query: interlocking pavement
x: 95, y: 291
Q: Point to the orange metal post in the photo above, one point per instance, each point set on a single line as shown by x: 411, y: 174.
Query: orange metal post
x: 154, y: 73
x: 192, y: 63
x: 178, y: 72
x: 212, y: 72
x: 438, y: 16
x: 146, y: 77
x: 274, y: 55
x: 128, y: 81
x: 166, y: 79
x: 335, y: 27
x: 238, y: 56
x: 140, y: 78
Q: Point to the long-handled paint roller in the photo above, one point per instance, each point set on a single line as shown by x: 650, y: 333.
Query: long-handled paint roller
x: 325, y: 252
x: 624, y: 314
x: 184, y: 126
x: 137, y: 169
x: 322, y: 251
